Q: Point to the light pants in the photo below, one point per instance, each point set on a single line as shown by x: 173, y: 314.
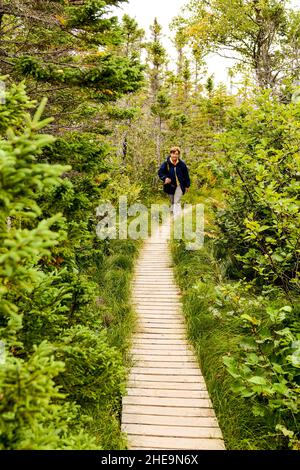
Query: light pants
x: 175, y: 201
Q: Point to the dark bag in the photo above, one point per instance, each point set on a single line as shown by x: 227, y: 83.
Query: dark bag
x: 169, y: 188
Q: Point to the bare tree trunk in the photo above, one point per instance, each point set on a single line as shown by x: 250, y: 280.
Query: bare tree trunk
x: 262, y: 57
x: 158, y: 141
x: 124, y: 147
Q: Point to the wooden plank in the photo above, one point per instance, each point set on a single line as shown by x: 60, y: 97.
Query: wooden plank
x: 166, y: 352
x: 172, y: 291
x: 138, y: 276
x: 150, y: 264
x: 152, y: 275
x: 156, y: 277
x: 163, y: 301
x: 157, y: 346
x: 144, y: 293
x: 145, y: 253
x: 144, y: 306
x: 155, y: 255
x: 161, y: 377
x: 168, y: 411
x: 156, y: 313
x: 169, y: 344
x: 165, y: 343
x: 175, y: 298
x: 165, y: 297
x: 157, y: 343
x: 171, y: 443
x: 169, y: 297
x: 145, y: 355
x: 147, y: 332
x: 163, y: 316
x: 163, y: 393
x: 158, y: 291
x: 187, y: 386
x: 162, y: 307
x: 153, y: 286
x: 169, y: 333
x: 175, y: 336
x: 148, y: 277
x: 157, y: 303
x: 176, y: 402
x: 146, y: 358
x: 157, y: 306
x: 154, y: 264
x: 165, y: 359
x: 138, y: 281
x: 154, y: 268
x: 168, y: 293
x: 164, y: 267
x: 150, y: 325
x: 160, y: 310
x: 154, y: 261
x: 178, y: 362
x: 155, y: 283
x: 203, y: 422
x: 159, y: 297
x: 154, y: 272
x: 158, y: 319
x: 170, y: 367
x: 167, y: 406
x: 138, y: 338
x: 156, y: 329
x: 172, y: 431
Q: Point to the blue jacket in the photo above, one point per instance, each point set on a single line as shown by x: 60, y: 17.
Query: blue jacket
x: 182, y: 174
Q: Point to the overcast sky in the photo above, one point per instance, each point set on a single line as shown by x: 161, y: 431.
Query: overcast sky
x: 146, y: 10
x: 165, y: 10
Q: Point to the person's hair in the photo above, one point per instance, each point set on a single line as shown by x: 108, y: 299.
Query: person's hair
x: 175, y: 149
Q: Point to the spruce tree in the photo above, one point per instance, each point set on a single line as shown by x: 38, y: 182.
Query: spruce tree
x: 63, y: 49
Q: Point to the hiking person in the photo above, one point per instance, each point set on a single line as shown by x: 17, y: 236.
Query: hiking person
x: 175, y: 175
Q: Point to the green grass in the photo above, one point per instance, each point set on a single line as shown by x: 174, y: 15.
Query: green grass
x: 113, y: 304
x: 213, y: 337
x: 114, y: 276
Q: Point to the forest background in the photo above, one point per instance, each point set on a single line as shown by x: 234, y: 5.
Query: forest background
x: 88, y: 112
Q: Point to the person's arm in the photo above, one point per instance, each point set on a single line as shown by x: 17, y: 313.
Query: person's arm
x: 163, y: 172
x: 187, y: 178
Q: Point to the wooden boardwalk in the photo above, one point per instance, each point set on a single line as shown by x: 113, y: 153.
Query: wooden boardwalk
x: 167, y: 406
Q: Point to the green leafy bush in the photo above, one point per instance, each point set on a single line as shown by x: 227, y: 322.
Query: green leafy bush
x: 260, y: 223
x: 60, y: 369
x: 266, y: 370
